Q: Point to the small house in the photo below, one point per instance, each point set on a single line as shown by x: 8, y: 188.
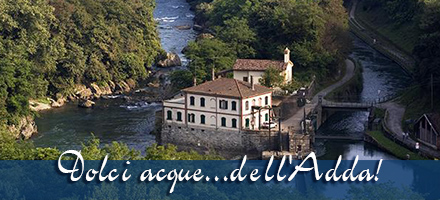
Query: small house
x: 427, y: 129
x: 245, y: 69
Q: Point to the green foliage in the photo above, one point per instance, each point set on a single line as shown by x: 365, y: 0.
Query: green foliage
x: 181, y: 79
x: 48, y: 46
x: 11, y: 149
x: 272, y: 77
x: 428, y: 49
x: 209, y: 54
x: 399, y: 11
x: 315, y: 31
x: 239, y: 36
x: 394, y: 148
x: 170, y: 152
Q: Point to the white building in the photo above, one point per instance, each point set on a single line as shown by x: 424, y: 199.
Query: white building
x: 226, y: 104
x: 244, y: 69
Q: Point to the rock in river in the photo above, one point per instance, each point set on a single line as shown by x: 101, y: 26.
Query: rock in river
x: 86, y: 104
x: 184, y: 27
x: 171, y: 61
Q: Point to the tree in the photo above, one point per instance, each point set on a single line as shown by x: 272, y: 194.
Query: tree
x: 181, y: 79
x: 427, y: 51
x: 237, y: 33
x: 272, y: 77
x: 209, y: 54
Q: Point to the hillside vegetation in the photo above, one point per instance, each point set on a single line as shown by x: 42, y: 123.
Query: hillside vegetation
x: 413, y: 26
x: 316, y: 32
x: 48, y: 46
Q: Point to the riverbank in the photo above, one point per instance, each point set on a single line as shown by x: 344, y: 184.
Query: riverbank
x: 380, y: 140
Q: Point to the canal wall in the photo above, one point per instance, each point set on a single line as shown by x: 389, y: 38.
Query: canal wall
x: 226, y: 143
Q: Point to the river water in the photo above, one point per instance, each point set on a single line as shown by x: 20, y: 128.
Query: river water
x: 116, y: 119
x: 131, y: 123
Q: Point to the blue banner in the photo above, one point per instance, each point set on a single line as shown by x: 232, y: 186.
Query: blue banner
x: 219, y: 179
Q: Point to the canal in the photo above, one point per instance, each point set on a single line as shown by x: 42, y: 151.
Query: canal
x: 381, y: 78
x: 131, y: 122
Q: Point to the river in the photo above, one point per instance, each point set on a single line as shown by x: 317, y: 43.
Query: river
x: 131, y: 123
x: 116, y: 119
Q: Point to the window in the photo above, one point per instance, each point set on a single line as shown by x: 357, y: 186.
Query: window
x: 247, y: 123
x: 253, y: 102
x: 266, y: 117
x: 202, y: 119
x: 234, y: 105
x: 223, y: 104
x: 179, y: 116
x: 169, y: 115
x: 202, y: 102
x: 266, y: 100
x: 223, y: 122
x: 247, y: 105
x: 192, y: 101
x: 191, y: 118
x: 260, y: 101
x: 234, y: 123
x: 246, y: 79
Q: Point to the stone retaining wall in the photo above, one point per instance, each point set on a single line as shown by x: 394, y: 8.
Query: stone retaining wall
x: 239, y: 143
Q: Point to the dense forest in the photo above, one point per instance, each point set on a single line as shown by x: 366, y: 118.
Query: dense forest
x: 315, y: 31
x: 48, y: 46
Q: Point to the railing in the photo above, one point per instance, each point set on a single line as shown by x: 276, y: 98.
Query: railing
x: 358, y: 104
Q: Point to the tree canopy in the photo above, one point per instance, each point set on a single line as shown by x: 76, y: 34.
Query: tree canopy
x: 272, y: 77
x: 46, y: 47
x: 315, y: 31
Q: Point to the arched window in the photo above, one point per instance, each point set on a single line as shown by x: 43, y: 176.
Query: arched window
x: 191, y: 118
x: 266, y: 117
x: 169, y: 115
x: 202, y: 102
x: 192, y: 101
x: 247, y: 123
x: 260, y: 101
x: 223, y: 104
x: 266, y: 100
x: 202, y: 119
x: 234, y: 123
x: 253, y: 102
x: 234, y: 105
x: 247, y: 105
x: 223, y: 121
x: 179, y: 116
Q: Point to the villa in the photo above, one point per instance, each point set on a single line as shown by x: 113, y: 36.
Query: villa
x: 222, y: 104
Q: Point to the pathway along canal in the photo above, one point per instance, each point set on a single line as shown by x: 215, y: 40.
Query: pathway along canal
x: 131, y: 123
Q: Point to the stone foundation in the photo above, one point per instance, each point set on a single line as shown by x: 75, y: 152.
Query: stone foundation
x: 231, y: 143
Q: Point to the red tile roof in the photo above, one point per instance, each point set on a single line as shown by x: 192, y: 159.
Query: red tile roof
x: 228, y: 87
x: 258, y: 65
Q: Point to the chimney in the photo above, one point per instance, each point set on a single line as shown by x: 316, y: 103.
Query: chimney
x: 213, y: 73
x: 195, y: 81
x: 252, y: 83
x: 286, y: 55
